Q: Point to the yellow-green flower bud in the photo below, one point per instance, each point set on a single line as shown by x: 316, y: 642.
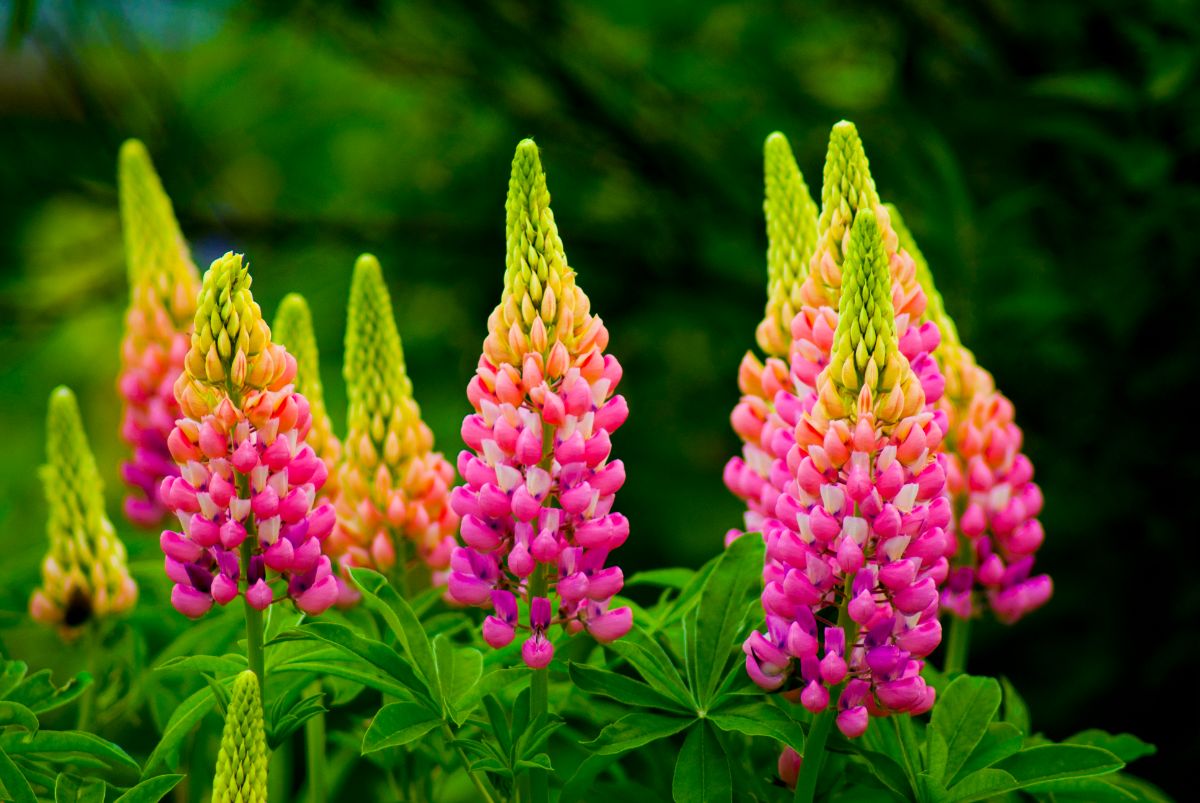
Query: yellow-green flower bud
x: 791, y: 238
x: 242, y: 762
x: 84, y: 574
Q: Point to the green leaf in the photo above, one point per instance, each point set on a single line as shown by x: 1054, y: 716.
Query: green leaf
x: 651, y: 661
x: 1016, y: 712
x: 373, y: 652
x: 1037, y: 765
x: 759, y: 719
x: 151, y: 790
x: 355, y: 670
x: 962, y: 715
x: 398, y: 724
x: 1001, y: 741
x: 499, y: 722
x: 888, y: 771
x: 459, y: 668
x: 635, y: 730
x: 736, y: 579
x: 595, y: 680
x: 931, y: 789
x: 1092, y: 790
x: 380, y: 596
x: 539, y: 762
x: 17, y: 714
x: 13, y: 781
x: 212, y: 664
x: 11, y: 673
x: 63, y: 745
x: 185, y: 717
x: 69, y: 789
x: 675, y: 578
x: 39, y: 694
x: 284, y: 726
x: 702, y: 770
x: 579, y: 786
x: 982, y: 785
x: 1124, y: 746
x: 492, y: 682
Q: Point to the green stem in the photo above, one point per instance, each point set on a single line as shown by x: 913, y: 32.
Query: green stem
x: 957, y: 646
x: 254, y: 619
x: 818, y: 734
x: 484, y: 793
x: 314, y: 751
x: 539, y: 695
x: 87, y: 703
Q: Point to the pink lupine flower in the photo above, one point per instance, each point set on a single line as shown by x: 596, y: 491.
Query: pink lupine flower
x: 244, y: 497
x: 860, y: 522
x: 989, y: 479
x: 163, y: 286
x: 537, y: 519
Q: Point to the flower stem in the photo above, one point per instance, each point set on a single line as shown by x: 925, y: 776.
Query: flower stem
x: 254, y: 620
x: 957, y: 646
x: 539, y: 695
x: 314, y: 749
x: 87, y: 703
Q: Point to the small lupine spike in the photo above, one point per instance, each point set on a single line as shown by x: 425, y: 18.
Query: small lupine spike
x: 393, y: 488
x: 157, y: 255
x: 242, y: 762
x: 163, y: 285
x: 84, y: 574
x: 846, y: 188
x: 791, y: 238
x: 293, y: 328
x: 541, y: 303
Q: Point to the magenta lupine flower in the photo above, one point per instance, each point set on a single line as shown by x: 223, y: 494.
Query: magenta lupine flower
x: 163, y: 286
x: 860, y: 527
x: 248, y: 479
x: 536, y: 510
x: 989, y: 479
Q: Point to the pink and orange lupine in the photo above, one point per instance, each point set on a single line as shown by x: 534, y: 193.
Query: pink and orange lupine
x: 537, y: 516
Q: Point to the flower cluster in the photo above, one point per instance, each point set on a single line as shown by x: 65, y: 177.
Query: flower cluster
x: 860, y: 526
x: 537, y: 507
x: 394, y: 490
x: 163, y: 287
x: 990, y: 480
x: 241, y: 775
x: 84, y: 574
x: 293, y: 329
x: 248, y: 479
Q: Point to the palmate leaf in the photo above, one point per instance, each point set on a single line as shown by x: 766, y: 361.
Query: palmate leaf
x: 17, y: 715
x: 70, y: 789
x: 759, y: 718
x: 398, y: 724
x: 651, y: 661
x: 38, y: 693
x: 150, y: 790
x: 961, y: 718
x: 1037, y: 765
x: 185, y: 717
x: 702, y: 771
x: 736, y: 580
x: 621, y: 688
x: 1124, y: 746
x: 1000, y: 741
x: 375, y: 653
x: 66, y: 746
x: 635, y: 730
x: 459, y: 670
x: 13, y: 781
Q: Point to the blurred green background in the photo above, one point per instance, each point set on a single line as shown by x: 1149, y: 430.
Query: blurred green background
x: 1045, y: 155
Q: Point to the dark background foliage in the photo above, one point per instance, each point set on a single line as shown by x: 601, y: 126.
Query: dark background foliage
x: 1044, y: 153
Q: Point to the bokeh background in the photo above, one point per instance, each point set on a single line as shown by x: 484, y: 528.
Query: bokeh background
x: 1045, y: 155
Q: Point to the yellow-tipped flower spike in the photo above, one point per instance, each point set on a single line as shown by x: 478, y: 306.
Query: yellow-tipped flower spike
x: 242, y: 763
x: 393, y: 488
x: 163, y: 287
x: 293, y: 328
x: 791, y: 238
x: 84, y: 574
x: 540, y: 305
x: 866, y: 360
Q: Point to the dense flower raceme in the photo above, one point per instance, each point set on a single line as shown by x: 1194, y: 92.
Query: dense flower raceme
x: 241, y: 775
x: 394, y: 490
x: 163, y: 287
x: 537, y: 507
x: 862, y: 528
x: 248, y: 479
x: 775, y: 393
x: 293, y: 329
x: 84, y: 574
x: 990, y: 480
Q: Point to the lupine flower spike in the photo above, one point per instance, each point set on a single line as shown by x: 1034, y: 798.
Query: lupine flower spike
x: 394, y: 490
x: 248, y: 478
x: 242, y: 762
x: 84, y: 574
x: 537, y: 507
x: 861, y: 530
x: 791, y: 237
x: 163, y: 287
x: 990, y: 480
x: 293, y: 329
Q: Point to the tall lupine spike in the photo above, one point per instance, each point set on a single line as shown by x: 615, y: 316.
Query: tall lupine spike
x: 293, y: 329
x: 393, y: 488
x: 989, y: 479
x: 860, y: 532
x: 536, y: 509
x: 791, y: 238
x: 163, y: 286
x: 241, y: 775
x: 248, y: 478
x: 84, y: 573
